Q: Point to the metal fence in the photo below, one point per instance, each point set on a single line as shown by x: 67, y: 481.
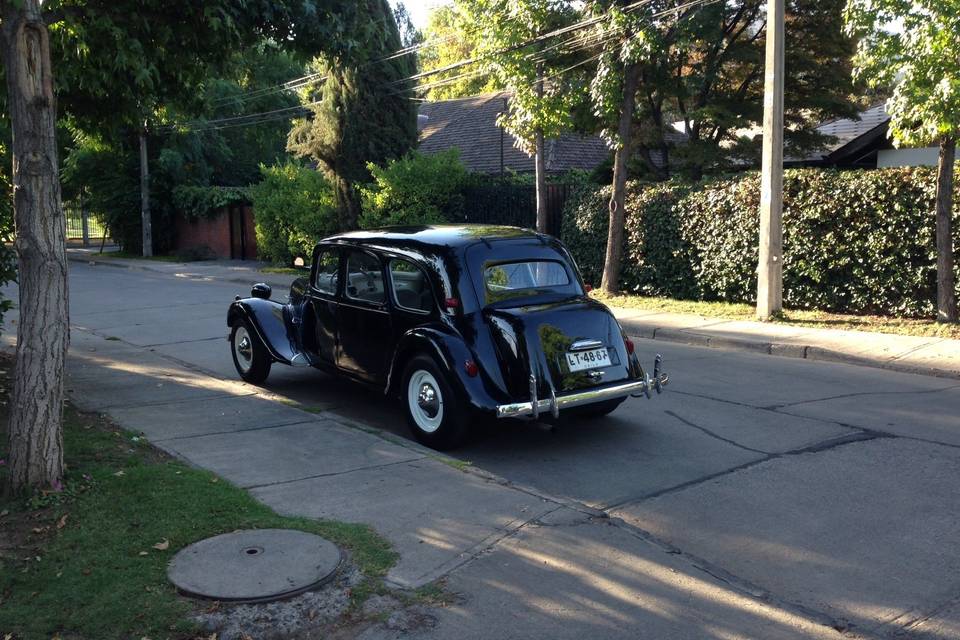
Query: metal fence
x: 514, y: 204
x: 84, y: 227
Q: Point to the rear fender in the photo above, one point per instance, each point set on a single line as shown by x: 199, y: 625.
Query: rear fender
x: 272, y: 323
x: 450, y: 353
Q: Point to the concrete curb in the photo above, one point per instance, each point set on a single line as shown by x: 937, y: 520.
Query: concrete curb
x: 782, y: 349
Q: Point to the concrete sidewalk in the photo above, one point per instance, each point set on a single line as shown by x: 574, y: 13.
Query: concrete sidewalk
x: 908, y: 354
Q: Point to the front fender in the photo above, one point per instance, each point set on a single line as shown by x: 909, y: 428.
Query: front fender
x: 451, y: 353
x: 269, y: 320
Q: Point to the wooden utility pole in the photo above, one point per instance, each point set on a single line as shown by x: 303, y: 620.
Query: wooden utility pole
x: 145, y: 195
x: 770, y: 268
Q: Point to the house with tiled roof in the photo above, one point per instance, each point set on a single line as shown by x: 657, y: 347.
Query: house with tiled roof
x: 864, y: 143
x: 470, y: 125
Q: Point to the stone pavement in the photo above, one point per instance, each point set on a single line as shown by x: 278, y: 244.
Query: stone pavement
x: 908, y: 354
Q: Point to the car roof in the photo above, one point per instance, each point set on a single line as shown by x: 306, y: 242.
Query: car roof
x: 438, y: 235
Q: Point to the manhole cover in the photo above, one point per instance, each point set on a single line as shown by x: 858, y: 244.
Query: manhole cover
x: 254, y: 566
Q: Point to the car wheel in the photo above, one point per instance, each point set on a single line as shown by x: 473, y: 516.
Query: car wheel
x: 434, y: 412
x: 250, y: 356
x: 598, y: 409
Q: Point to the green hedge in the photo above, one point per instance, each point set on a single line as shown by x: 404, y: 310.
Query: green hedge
x: 294, y: 208
x: 854, y: 241
x: 415, y: 189
x: 195, y: 202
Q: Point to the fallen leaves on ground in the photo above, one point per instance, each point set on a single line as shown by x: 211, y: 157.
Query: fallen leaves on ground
x: 162, y: 546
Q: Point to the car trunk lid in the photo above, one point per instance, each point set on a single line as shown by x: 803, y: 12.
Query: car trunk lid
x: 537, y: 338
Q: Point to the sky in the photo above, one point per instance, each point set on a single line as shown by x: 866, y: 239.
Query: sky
x: 420, y: 9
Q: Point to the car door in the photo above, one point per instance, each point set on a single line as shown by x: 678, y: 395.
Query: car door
x: 324, y: 295
x: 363, y: 317
x: 412, y: 296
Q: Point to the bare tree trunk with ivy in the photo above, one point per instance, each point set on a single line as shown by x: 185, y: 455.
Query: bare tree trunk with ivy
x: 36, y: 411
x: 614, y: 256
x: 946, y: 285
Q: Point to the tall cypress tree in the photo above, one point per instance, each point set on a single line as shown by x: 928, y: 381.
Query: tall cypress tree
x: 363, y: 111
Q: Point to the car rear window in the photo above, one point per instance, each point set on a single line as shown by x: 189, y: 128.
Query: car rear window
x: 530, y: 277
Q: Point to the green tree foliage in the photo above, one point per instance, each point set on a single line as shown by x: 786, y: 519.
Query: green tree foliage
x: 854, y: 241
x: 415, y: 189
x: 295, y: 208
x: 409, y: 34
x: 705, y: 72
x: 8, y: 257
x: 919, y: 61
x: 117, y: 60
x: 105, y: 165
x: 543, y: 96
x: 450, y: 38
x: 362, y: 111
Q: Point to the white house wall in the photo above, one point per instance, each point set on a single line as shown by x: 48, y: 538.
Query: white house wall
x: 925, y: 157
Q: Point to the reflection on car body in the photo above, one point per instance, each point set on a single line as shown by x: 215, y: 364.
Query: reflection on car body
x: 456, y: 320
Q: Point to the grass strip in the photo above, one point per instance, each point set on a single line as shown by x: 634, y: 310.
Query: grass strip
x: 89, y: 561
x: 792, y: 317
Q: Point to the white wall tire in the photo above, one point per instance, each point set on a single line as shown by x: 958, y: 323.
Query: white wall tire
x: 435, y: 413
x: 425, y: 401
x: 250, y: 355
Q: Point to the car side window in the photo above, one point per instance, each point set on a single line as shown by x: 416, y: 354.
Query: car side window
x: 328, y: 271
x: 411, y: 290
x: 365, y: 278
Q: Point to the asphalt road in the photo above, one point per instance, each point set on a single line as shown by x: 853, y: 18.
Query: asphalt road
x: 829, y: 487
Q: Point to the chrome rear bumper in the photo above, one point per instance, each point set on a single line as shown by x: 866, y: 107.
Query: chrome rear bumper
x: 552, y: 405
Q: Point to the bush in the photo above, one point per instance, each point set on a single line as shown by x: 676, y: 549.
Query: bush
x: 8, y: 257
x: 415, y: 189
x: 195, y: 202
x: 854, y: 241
x: 294, y: 208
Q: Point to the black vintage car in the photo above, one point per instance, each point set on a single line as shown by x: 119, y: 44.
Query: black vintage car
x: 458, y: 321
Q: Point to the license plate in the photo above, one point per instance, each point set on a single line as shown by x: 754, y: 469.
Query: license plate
x: 590, y: 359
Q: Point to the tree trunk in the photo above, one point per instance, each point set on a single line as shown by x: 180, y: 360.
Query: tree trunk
x: 541, y: 179
x: 946, y: 286
x: 614, y: 257
x: 36, y: 407
x: 348, y: 204
x: 540, y: 162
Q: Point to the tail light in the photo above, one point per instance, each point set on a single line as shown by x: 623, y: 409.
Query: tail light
x: 451, y: 303
x: 471, y: 368
x: 588, y: 288
x: 629, y: 344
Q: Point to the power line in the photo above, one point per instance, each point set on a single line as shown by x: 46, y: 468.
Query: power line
x: 589, y: 41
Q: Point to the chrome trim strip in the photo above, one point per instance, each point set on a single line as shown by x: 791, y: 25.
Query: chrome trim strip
x: 554, y: 409
x: 583, y: 345
x: 533, y: 404
x: 366, y: 307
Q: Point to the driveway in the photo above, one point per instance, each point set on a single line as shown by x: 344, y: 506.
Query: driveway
x: 760, y: 497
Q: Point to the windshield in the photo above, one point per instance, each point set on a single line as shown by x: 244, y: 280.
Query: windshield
x: 520, y: 279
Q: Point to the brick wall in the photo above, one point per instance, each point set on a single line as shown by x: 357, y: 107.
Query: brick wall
x: 214, y: 233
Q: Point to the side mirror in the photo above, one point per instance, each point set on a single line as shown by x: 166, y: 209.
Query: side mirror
x: 261, y: 290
